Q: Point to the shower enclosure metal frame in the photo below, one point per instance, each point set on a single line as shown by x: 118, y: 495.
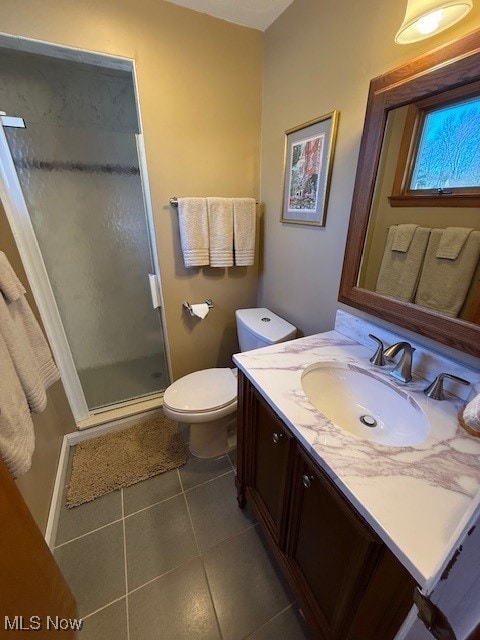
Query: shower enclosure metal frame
x: 19, y: 219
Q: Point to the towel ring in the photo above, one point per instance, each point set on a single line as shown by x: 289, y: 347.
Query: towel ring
x: 188, y: 306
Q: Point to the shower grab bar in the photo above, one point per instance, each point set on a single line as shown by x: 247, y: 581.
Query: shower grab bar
x: 174, y: 202
x: 188, y: 306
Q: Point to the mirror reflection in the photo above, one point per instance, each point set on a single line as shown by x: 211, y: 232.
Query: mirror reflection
x: 423, y: 238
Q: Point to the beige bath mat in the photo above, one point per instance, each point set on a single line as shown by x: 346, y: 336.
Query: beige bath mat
x: 124, y: 458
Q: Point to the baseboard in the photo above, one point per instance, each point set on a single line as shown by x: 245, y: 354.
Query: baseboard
x: 55, y: 504
x: 70, y: 440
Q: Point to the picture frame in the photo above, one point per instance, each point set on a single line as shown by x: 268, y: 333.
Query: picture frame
x: 307, y: 170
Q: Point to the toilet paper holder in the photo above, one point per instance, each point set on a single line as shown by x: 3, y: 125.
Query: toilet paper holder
x: 188, y: 306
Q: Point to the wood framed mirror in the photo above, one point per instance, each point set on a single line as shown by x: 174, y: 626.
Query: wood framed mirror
x: 445, y: 76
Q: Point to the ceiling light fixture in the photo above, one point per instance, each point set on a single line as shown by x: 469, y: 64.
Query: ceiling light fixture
x: 423, y: 18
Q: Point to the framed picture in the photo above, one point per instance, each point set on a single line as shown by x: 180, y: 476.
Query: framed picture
x: 309, y: 150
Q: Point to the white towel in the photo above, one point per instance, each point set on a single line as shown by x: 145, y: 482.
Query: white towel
x: 220, y: 225
x: 10, y: 285
x: 244, y: 218
x: 17, y: 438
x: 193, y: 223
x: 471, y: 413
x: 26, y: 371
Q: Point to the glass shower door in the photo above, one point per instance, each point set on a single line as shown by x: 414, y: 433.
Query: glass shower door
x: 84, y: 195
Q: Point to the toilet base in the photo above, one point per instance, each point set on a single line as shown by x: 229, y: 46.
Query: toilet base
x: 211, y: 439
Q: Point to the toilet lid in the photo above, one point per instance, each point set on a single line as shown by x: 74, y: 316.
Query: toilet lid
x: 202, y: 391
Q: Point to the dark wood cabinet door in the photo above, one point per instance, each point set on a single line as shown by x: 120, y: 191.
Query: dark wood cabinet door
x: 385, y: 603
x: 272, y: 452
x: 331, y: 551
x: 267, y: 465
x: 346, y: 581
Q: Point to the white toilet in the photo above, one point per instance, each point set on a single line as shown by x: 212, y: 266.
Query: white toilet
x: 207, y: 399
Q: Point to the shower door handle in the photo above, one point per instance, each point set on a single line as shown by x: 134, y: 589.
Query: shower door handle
x: 155, y: 290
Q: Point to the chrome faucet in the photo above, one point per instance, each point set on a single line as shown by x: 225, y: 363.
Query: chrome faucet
x: 403, y: 370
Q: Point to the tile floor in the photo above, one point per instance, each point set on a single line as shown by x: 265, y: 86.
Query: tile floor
x: 174, y: 558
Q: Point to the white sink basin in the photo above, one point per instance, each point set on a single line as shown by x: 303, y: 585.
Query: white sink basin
x: 366, y: 406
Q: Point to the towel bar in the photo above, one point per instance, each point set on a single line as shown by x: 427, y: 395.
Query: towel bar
x: 174, y: 202
x: 188, y: 306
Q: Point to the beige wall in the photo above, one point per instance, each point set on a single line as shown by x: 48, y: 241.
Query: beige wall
x: 321, y: 56
x: 199, y: 82
x: 36, y: 485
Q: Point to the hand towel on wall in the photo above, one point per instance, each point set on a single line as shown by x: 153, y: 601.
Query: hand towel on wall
x: 400, y: 270
x: 403, y: 236
x: 452, y: 241
x: 220, y: 225
x: 444, y: 282
x: 193, y: 224
x: 29, y: 367
x: 244, y: 219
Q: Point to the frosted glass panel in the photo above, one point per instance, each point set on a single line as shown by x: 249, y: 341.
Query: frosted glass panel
x: 67, y: 93
x: 84, y: 195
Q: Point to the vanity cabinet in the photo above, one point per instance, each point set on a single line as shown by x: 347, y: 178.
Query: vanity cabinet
x: 269, y: 447
x: 346, y: 581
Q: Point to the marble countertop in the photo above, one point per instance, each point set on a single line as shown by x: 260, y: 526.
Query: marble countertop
x: 415, y: 498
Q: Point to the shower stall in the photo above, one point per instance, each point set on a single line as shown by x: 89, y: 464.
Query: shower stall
x: 75, y: 185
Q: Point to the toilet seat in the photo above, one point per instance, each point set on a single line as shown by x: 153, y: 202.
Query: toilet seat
x: 202, y: 396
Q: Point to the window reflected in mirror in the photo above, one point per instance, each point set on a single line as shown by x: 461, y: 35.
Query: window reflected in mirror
x: 448, y: 152
x: 422, y: 244
x: 439, y: 155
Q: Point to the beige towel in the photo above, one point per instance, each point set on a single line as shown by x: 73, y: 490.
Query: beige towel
x: 10, y: 285
x: 220, y: 226
x: 193, y: 224
x: 27, y: 367
x: 244, y: 219
x: 444, y: 283
x: 17, y: 439
x: 400, y: 271
x: 403, y: 236
x: 452, y: 241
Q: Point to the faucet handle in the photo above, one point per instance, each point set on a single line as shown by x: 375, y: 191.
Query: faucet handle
x: 378, y: 358
x: 435, y: 389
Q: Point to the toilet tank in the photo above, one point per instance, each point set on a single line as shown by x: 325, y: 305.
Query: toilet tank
x: 260, y: 327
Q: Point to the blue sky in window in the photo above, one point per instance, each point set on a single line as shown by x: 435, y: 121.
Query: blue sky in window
x: 449, y: 150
